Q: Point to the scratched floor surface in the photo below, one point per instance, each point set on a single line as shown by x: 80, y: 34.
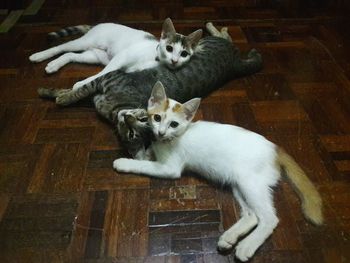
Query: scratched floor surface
x: 60, y: 200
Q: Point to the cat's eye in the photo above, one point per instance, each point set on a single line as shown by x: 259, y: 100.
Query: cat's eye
x: 157, y: 117
x: 169, y: 48
x: 174, y: 124
x: 144, y: 119
x: 184, y: 54
x: 131, y: 134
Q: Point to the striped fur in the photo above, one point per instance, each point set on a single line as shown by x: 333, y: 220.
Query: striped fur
x: 69, y: 31
x: 216, y: 62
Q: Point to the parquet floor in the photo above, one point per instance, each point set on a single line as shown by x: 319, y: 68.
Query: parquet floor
x: 60, y: 200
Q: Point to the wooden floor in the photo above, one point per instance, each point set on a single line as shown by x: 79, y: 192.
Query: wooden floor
x: 61, y: 201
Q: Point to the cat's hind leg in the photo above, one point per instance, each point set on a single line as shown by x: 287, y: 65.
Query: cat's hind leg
x: 51, y: 93
x: 76, y: 95
x: 116, y: 63
x: 95, y: 56
x: 79, y: 44
x: 223, y: 33
x: 259, y: 198
x: 246, y: 223
x: 66, y: 97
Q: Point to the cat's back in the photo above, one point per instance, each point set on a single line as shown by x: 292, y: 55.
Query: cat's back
x: 117, y: 32
x: 227, y: 139
x: 211, y: 65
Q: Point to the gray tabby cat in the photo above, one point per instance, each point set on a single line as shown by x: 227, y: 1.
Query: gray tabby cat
x: 216, y: 61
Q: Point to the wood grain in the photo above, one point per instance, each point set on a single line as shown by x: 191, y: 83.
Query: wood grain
x: 60, y: 199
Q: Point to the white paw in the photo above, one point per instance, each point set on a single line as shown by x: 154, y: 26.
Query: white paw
x: 52, y: 67
x: 226, y: 241
x: 245, y: 250
x: 224, y: 245
x: 122, y: 165
x: 36, y: 57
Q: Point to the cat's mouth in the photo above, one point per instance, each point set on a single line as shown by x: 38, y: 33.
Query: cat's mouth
x: 163, y: 138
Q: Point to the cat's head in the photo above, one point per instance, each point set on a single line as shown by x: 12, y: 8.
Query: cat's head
x: 168, y: 118
x: 133, y: 129
x: 174, y: 49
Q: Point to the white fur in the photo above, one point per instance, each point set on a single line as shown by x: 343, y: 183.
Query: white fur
x: 174, y: 57
x: 228, y: 154
x: 115, y: 46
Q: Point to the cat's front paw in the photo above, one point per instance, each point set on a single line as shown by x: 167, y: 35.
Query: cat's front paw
x: 123, y: 165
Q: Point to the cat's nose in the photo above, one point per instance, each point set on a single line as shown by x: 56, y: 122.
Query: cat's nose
x: 174, y: 61
x: 161, y: 133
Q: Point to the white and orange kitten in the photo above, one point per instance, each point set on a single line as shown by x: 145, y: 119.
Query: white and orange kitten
x: 228, y: 154
x: 121, y: 47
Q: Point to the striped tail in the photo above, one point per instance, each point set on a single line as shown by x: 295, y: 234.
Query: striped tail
x: 310, y: 197
x: 69, y: 31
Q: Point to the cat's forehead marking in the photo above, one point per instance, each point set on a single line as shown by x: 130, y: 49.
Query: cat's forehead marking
x: 176, y: 108
x: 177, y: 38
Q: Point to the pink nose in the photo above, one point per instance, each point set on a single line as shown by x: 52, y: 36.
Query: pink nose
x: 173, y: 61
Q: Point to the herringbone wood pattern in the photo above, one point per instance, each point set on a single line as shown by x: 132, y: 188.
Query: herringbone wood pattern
x: 60, y: 200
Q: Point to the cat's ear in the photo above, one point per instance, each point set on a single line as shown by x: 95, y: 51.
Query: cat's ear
x: 190, y: 108
x: 158, y: 95
x: 194, y: 37
x: 168, y: 28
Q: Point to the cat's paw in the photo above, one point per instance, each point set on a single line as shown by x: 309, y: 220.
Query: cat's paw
x: 122, y: 165
x: 245, y: 250
x: 63, y: 100
x: 52, y: 67
x: 226, y: 242
x: 223, y: 245
x: 37, y: 57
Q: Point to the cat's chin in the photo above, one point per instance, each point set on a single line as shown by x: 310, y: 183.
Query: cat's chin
x: 172, y: 67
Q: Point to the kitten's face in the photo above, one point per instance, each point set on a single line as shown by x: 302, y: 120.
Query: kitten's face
x: 175, y: 49
x: 133, y: 125
x: 168, y: 118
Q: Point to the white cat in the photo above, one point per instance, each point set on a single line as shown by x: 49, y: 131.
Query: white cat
x: 121, y: 47
x: 231, y: 155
